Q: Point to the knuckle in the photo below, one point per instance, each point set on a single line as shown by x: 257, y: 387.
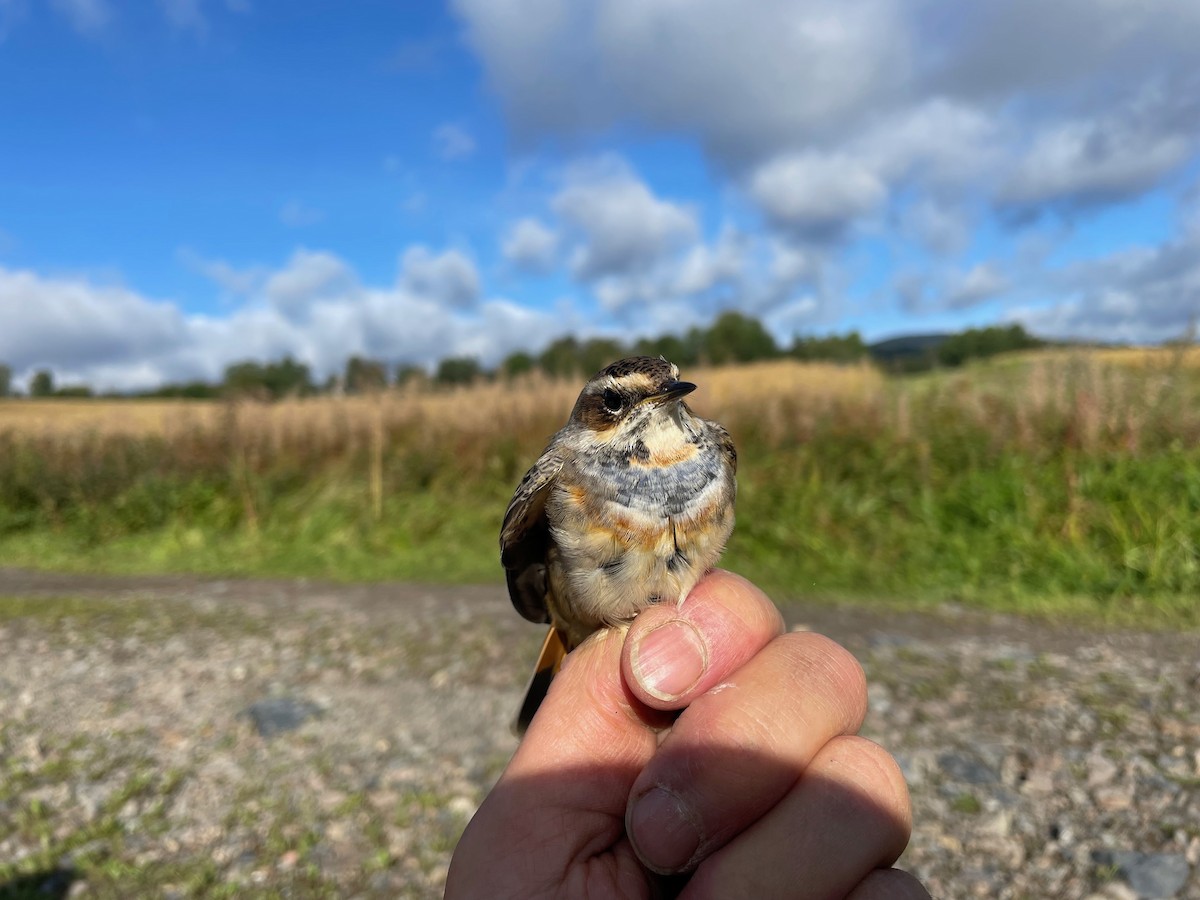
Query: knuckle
x: 815, y: 656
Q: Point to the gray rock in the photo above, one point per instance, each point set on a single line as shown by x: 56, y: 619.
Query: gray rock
x: 965, y: 768
x: 1151, y: 875
x: 276, y: 715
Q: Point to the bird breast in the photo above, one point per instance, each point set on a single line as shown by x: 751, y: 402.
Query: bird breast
x: 638, y: 526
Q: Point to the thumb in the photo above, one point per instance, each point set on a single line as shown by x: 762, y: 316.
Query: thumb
x: 563, y: 796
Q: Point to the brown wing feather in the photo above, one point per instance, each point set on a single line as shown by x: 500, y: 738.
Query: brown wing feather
x: 726, y: 444
x: 525, y: 539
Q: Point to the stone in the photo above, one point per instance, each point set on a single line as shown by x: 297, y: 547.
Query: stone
x: 1150, y: 875
x: 276, y: 715
x: 966, y: 768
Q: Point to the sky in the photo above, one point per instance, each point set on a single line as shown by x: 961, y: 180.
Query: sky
x: 189, y: 183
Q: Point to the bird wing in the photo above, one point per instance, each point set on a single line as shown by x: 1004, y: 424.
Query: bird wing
x: 725, y: 442
x: 525, y: 538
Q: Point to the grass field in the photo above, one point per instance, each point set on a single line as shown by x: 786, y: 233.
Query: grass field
x: 1057, y: 483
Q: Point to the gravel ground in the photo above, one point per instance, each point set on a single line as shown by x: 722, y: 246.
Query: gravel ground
x: 176, y: 737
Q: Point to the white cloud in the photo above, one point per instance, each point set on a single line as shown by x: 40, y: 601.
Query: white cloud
x: 314, y: 308
x: 233, y: 281
x: 942, y: 226
x: 623, y: 227
x: 1097, y: 160
x: 1140, y: 294
x: 448, y: 278
x: 453, y: 142
x: 530, y: 246
x: 814, y: 195
x: 704, y: 266
x: 831, y: 111
x: 295, y: 214
x: 747, y: 85
x: 308, y: 279
x: 88, y: 17
x: 74, y: 325
x: 981, y: 282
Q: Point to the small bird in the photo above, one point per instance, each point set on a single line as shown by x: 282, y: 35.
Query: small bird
x: 629, y: 505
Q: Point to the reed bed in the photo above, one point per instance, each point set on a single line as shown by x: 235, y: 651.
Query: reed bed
x: 1074, y: 477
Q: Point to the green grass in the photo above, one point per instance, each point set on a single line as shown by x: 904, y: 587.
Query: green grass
x: 1087, y: 507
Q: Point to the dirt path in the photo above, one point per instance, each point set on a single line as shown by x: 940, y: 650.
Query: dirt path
x: 148, y: 749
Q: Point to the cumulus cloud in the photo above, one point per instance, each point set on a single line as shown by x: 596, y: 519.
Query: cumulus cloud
x: 829, y: 111
x: 747, y: 84
x: 981, y: 282
x: 623, y: 228
x: 74, y: 325
x: 1143, y: 294
x: 306, y: 280
x: 817, y: 196
x: 448, y: 278
x: 453, y: 142
x: 1110, y: 157
x: 945, y: 227
x: 233, y: 281
x: 314, y: 308
x: 530, y: 246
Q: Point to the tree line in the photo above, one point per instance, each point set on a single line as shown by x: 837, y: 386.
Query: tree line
x: 731, y: 338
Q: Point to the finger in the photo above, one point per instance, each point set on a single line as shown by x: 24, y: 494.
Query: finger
x: 562, y: 797
x: 738, y: 749
x: 675, y: 653
x: 847, y: 816
x: 889, y: 884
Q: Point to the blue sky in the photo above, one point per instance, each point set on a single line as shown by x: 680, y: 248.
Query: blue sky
x: 187, y: 183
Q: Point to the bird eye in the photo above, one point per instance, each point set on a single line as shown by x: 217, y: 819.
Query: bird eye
x: 612, y: 401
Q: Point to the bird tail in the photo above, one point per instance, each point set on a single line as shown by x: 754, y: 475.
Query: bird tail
x: 554, y: 650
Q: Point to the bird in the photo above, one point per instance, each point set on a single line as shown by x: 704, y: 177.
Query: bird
x: 629, y: 505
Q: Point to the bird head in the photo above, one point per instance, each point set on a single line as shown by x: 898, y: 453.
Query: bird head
x: 621, y: 400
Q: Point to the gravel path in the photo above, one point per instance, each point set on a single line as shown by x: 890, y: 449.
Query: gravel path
x: 185, y: 738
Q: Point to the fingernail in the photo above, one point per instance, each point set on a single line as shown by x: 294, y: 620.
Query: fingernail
x: 669, y: 660
x: 663, y: 830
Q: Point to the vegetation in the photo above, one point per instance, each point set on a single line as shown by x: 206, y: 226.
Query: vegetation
x: 732, y: 338
x: 1054, y: 482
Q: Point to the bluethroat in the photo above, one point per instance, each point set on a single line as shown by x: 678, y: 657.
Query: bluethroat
x: 629, y: 505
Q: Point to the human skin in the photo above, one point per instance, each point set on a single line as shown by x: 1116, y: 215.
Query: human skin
x: 702, y: 752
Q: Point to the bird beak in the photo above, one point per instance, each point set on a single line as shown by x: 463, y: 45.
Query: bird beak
x: 673, y: 391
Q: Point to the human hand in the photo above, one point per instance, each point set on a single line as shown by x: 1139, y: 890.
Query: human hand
x: 758, y: 788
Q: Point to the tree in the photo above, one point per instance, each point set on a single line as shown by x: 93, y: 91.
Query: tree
x: 5, y: 380
x: 834, y: 348
x: 518, y: 363
x: 274, y: 380
x: 561, y: 357
x: 596, y: 353
x: 734, y: 337
x: 683, y: 351
x: 407, y: 372
x: 364, y: 375
x: 42, y: 384
x: 977, y: 343
x: 458, y: 370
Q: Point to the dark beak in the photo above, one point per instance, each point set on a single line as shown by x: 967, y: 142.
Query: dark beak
x: 673, y: 391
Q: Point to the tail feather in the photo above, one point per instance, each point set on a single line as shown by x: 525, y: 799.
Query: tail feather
x: 548, y: 664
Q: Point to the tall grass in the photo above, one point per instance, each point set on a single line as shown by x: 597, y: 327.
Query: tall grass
x: 1049, y: 482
